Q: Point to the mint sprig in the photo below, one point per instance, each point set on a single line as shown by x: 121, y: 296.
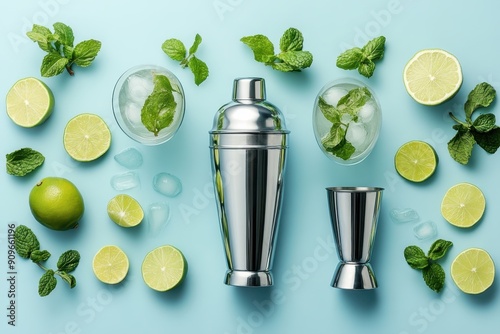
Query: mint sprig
x: 176, y: 50
x: 28, y: 247
x: 481, y: 131
x: 363, y: 59
x: 61, y: 52
x: 159, y: 108
x: 341, y: 116
x: 23, y: 161
x: 291, y: 58
x: 432, y: 272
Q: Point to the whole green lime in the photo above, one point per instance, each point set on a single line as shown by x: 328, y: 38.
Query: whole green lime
x: 56, y: 203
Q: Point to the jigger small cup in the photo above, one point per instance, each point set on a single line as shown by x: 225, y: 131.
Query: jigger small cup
x: 354, y: 214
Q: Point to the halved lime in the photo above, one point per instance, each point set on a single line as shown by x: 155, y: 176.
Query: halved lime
x: 463, y: 205
x: 125, y: 211
x: 432, y: 76
x: 86, y: 137
x: 473, y: 271
x: 416, y: 161
x: 164, y: 268
x: 110, y: 264
x: 29, y: 102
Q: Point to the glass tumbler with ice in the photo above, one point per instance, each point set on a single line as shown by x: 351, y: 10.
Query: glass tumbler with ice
x: 129, y: 97
x: 346, y: 120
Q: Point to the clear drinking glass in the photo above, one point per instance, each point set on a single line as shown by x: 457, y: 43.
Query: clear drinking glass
x: 129, y: 95
x: 361, y: 128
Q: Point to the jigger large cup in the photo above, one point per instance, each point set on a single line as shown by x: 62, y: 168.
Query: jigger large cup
x: 354, y: 213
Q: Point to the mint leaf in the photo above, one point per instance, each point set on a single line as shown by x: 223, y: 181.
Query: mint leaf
x: 415, y: 257
x: 354, y: 100
x: 434, y: 277
x: 330, y: 112
x: 196, y: 43
x: 481, y: 96
x: 334, y: 137
x: 350, y: 59
x: 63, y: 34
x: 53, y: 64
x: 296, y: 59
x: 23, y: 161
x: 85, y: 52
x: 174, y: 48
x: 68, y: 261
x: 159, y: 107
x: 68, y: 278
x: 366, y: 68
x: 374, y: 49
x: 25, y: 241
x: 344, y: 150
x: 292, y: 40
x: 438, y: 249
x: 484, y: 123
x: 47, y: 283
x: 290, y: 59
x: 488, y: 141
x: 39, y: 256
x: 60, y: 51
x: 261, y: 46
x: 363, y: 58
x: 461, y: 145
x: 199, y: 69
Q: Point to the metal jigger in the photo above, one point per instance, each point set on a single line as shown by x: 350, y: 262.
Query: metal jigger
x: 248, y: 144
x: 354, y: 213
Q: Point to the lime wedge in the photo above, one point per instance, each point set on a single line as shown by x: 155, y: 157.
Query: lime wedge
x: 463, y: 205
x: 164, y: 268
x: 29, y: 102
x: 110, y: 265
x: 86, y: 137
x: 473, y: 271
x: 415, y: 161
x: 432, y: 76
x: 125, y: 211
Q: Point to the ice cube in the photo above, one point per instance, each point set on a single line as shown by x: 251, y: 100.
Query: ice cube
x: 133, y: 113
x: 366, y: 112
x: 356, y: 134
x: 167, y: 184
x: 139, y: 87
x: 129, y: 158
x: 158, y: 216
x: 125, y: 181
x: 333, y: 95
x: 407, y: 215
x: 425, y: 230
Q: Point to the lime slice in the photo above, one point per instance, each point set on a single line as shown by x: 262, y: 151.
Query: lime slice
x: 164, y: 268
x: 463, y: 205
x: 432, y: 76
x: 473, y: 271
x: 29, y: 102
x: 125, y: 211
x: 110, y: 265
x: 86, y: 137
x: 415, y: 161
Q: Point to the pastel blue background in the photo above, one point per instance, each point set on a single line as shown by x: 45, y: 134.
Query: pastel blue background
x: 301, y: 300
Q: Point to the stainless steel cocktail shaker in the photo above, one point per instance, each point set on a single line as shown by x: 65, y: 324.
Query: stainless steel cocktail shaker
x: 248, y: 144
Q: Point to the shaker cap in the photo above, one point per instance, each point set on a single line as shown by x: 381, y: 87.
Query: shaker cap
x: 249, y: 111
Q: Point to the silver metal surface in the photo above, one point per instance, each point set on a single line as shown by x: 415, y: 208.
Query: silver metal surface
x: 248, y: 145
x: 354, y: 215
